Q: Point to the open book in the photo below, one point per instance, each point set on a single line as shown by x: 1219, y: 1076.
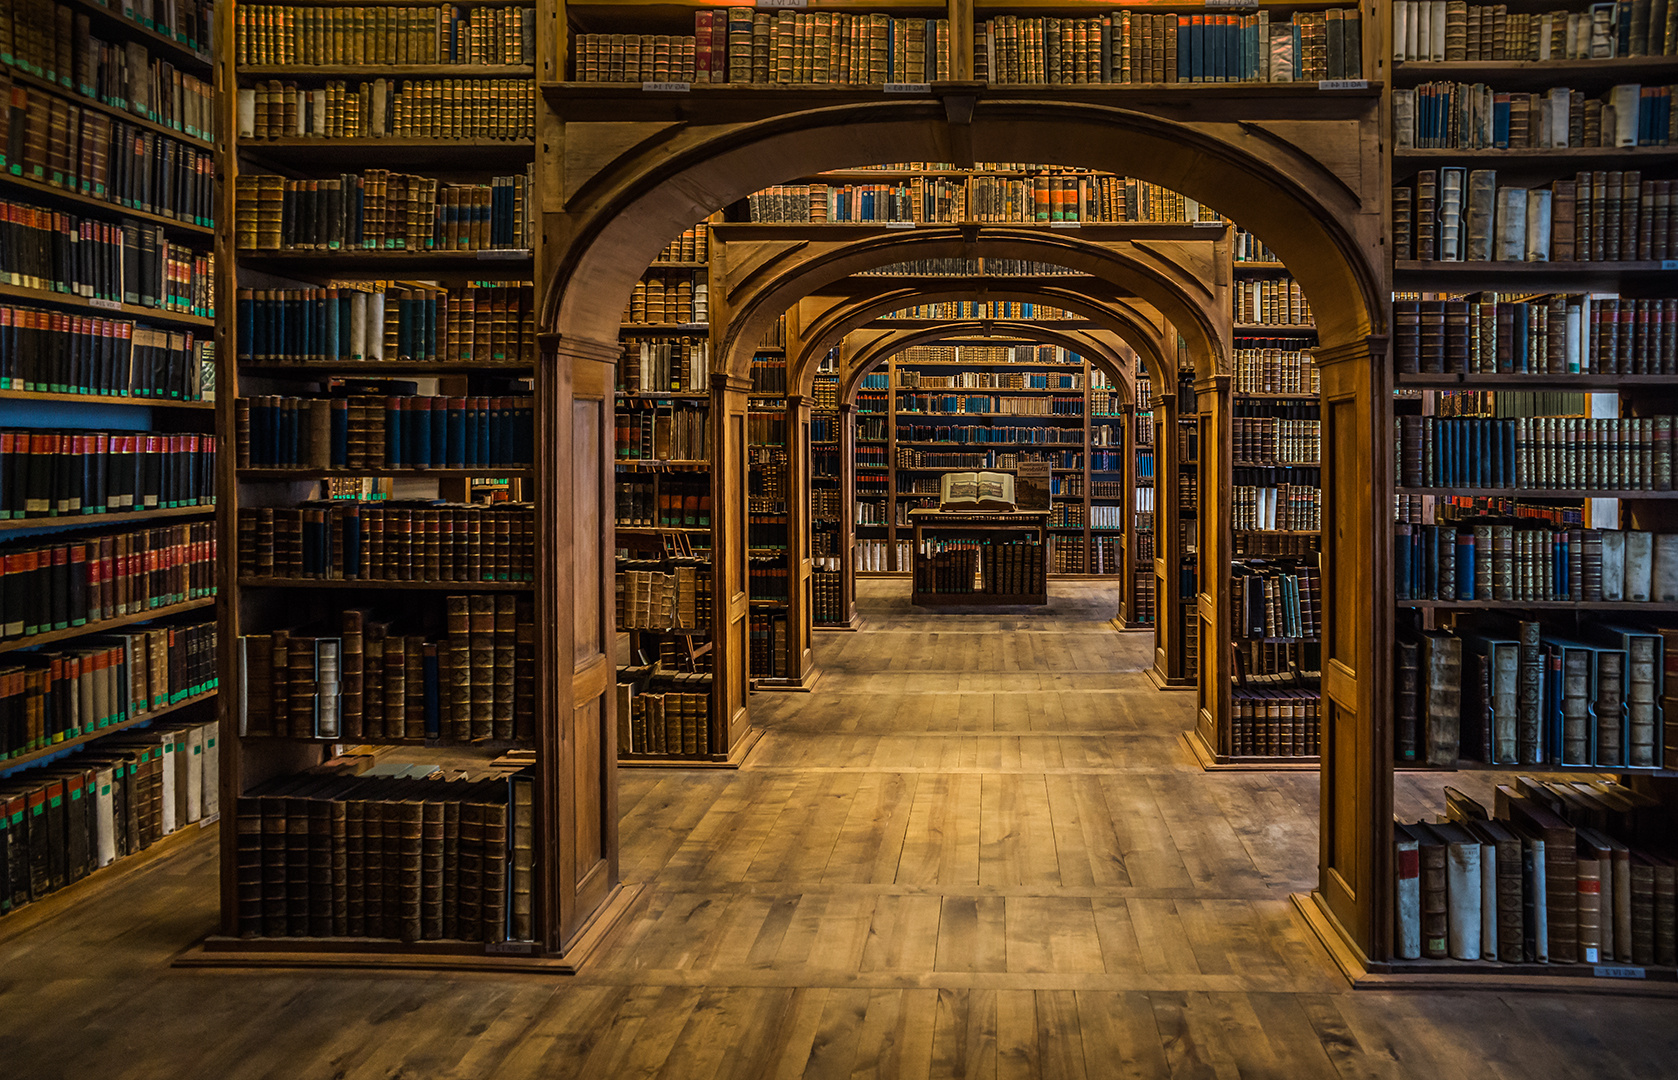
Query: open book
x: 976, y: 491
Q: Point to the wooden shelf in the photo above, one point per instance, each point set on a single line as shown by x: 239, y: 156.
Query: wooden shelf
x: 106, y: 399
x: 1534, y: 276
x: 188, y: 231
x: 387, y: 71
x: 106, y: 308
x: 1539, y: 605
x: 1265, y: 330
x: 20, y: 760
x: 666, y: 328
x: 1546, y: 767
x: 432, y: 154
x: 73, y: 632
x: 322, y: 369
x: 77, y: 521
x: 1536, y: 493
x: 1547, y: 159
x: 18, y: 75
x: 285, y: 474
x: 329, y: 584
x: 1528, y: 380
x: 1507, y: 75
x: 486, y: 263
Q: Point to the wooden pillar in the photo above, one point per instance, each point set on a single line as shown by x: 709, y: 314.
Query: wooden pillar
x: 1167, y: 545
x: 847, y: 510
x: 1355, y: 872
x: 576, y: 736
x: 800, y: 597
x: 1212, y: 399
x: 730, y: 588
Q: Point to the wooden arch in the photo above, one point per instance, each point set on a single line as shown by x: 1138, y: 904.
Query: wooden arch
x: 1133, y: 324
x: 1183, y: 280
x: 876, y: 352
x: 655, y: 171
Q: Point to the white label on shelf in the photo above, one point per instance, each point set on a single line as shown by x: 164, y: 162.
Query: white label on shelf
x: 908, y: 88
x: 665, y: 87
x: 206, y: 822
x: 508, y: 948
x: 504, y: 255
x: 101, y: 302
x: 692, y: 326
x: 1065, y: 224
x: 1605, y: 972
x: 1669, y: 264
x: 1232, y: 3
x: 783, y: 3
x: 900, y: 224
x: 1342, y: 84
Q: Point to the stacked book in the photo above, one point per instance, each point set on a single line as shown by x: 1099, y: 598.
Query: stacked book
x: 657, y: 600
x: 70, y: 474
x: 666, y: 715
x: 421, y: 541
x: 375, y: 431
x: 1548, y: 452
x: 373, y: 321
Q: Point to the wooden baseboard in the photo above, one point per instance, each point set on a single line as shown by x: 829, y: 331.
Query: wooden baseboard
x: 736, y: 756
x: 1162, y: 683
x: 790, y: 686
x: 217, y: 951
x: 1211, y: 761
x: 1436, y: 975
x: 1118, y: 623
x: 31, y: 915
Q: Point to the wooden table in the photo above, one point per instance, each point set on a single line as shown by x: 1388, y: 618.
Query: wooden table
x: 983, y: 558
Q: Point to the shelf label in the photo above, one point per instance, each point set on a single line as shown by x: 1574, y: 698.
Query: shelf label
x: 1232, y: 3
x: 908, y: 88
x: 1342, y: 84
x: 665, y: 87
x: 508, y: 948
x: 772, y: 4
x: 1669, y: 264
x: 504, y: 255
x: 899, y: 224
x: 104, y: 304
x: 1065, y: 224
x: 1605, y: 972
x: 693, y: 326
x: 206, y: 822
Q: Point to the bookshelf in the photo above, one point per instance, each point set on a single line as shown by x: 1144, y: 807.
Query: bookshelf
x: 396, y: 432
x: 108, y: 443
x: 832, y: 487
x: 1136, y: 604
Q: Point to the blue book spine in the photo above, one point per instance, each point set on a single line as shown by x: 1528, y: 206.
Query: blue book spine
x: 438, y: 448
x: 457, y: 435
x: 352, y: 544
x: 396, y: 435
x: 419, y: 432
x: 483, y: 430
x: 471, y: 421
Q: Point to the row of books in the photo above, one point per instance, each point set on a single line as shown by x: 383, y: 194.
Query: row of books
x: 117, y: 262
x: 60, y: 475
x: 373, y: 320
x: 827, y: 593
x: 1275, y: 721
x: 674, y: 365
x: 766, y: 645
x: 380, y: 209
x: 51, y: 697
x: 1491, y: 559
x: 1454, y: 31
x: 396, y: 432
x: 1135, y: 47
x: 990, y: 404
x: 61, y: 822
x: 1061, y: 514
x: 86, y: 151
x: 1271, y: 302
x: 367, y: 680
x: 986, y: 267
x: 694, y: 245
x: 1002, y: 569
x: 1463, y: 116
x: 665, y: 500
x: 657, y: 301
x: 982, y: 309
x: 738, y: 45
x: 1274, y: 370
x: 1044, y: 197
x: 90, y: 579
x: 876, y: 556
x: 1518, y: 693
x: 56, y: 42
x: 767, y: 578
x: 64, y: 353
x: 1290, y: 507
x: 1544, y: 334
x: 1071, y: 555
x: 980, y: 433
x: 679, y: 599
x: 1559, y: 872
x: 386, y: 855
x: 1456, y: 214
x: 991, y: 459
x: 662, y: 434
x: 1276, y: 601
x: 1569, y: 452
x: 388, y: 108
x: 325, y: 36
x: 422, y: 540
x: 671, y: 720
x: 1270, y: 440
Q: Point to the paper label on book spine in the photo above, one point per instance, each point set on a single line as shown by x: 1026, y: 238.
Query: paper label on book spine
x: 206, y: 822
x: 102, y: 303
x: 508, y: 948
x: 504, y: 255
x: 908, y: 88
x: 665, y: 87
x: 692, y: 326
x: 1342, y: 84
x: 1605, y: 972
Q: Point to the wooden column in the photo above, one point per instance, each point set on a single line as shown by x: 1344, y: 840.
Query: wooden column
x: 1355, y: 873
x: 847, y: 510
x: 576, y: 738
x: 1166, y: 671
x: 730, y: 587
x: 1212, y: 399
x: 800, y: 598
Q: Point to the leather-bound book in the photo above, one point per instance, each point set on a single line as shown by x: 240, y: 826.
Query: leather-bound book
x: 524, y: 678
x: 351, y: 683
x: 1441, y: 679
x: 1502, y: 929
x: 280, y: 686
x: 505, y: 666
x: 1642, y: 908
x: 469, y: 896
x: 274, y: 864
x: 373, y: 680
x: 1588, y: 884
x: 1642, y: 688
x: 320, y: 866
x: 1463, y: 885
x: 337, y: 827
x: 297, y: 865
x: 1666, y: 909
x: 248, y: 865
x: 493, y: 872
x: 1529, y: 715
x: 481, y: 658
x: 395, y: 897
x: 410, y: 859
x: 1479, y: 213
x: 395, y: 687
x: 451, y: 868
x: 373, y: 866
x: 1560, y: 896
x: 431, y: 870
x: 521, y: 921
x: 413, y: 680
x: 355, y: 869
x: 1435, y: 902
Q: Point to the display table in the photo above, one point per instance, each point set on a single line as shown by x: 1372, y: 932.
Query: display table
x: 967, y: 557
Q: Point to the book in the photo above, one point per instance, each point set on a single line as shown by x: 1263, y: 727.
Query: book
x: 390, y: 540
x: 976, y: 491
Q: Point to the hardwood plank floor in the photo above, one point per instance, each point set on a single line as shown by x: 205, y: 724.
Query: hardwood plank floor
x: 977, y: 850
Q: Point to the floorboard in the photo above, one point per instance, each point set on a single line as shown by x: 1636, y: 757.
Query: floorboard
x: 977, y: 850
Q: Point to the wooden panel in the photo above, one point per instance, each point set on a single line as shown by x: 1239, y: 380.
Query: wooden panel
x: 586, y: 527
x: 588, y: 777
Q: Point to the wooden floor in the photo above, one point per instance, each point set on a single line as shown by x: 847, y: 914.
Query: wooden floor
x: 977, y: 850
